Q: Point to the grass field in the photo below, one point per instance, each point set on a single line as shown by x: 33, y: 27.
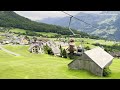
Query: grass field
x: 36, y: 66
x: 90, y: 42
x: 47, y: 34
x: 16, y: 30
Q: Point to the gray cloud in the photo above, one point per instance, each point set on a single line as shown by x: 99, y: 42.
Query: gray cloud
x: 37, y: 15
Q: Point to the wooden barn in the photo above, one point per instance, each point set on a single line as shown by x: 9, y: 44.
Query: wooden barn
x: 94, y: 60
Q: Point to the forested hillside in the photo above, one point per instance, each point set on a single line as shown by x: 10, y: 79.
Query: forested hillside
x: 11, y: 19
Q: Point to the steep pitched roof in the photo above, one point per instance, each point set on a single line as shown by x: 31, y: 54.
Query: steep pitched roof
x: 99, y: 56
x: 56, y: 50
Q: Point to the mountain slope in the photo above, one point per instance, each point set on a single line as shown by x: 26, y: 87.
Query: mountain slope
x: 11, y: 19
x: 107, y: 23
x: 89, y: 18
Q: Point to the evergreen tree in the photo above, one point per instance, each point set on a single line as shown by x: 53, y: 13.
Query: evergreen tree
x: 61, y: 51
x: 48, y: 50
x: 64, y: 54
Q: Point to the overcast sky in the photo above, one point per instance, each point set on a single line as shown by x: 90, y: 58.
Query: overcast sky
x: 38, y: 15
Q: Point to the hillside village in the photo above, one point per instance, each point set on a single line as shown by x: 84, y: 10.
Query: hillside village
x: 30, y: 54
x: 36, y: 46
x: 64, y: 48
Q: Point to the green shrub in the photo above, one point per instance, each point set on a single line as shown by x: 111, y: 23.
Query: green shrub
x: 45, y: 49
x: 106, y: 72
x: 87, y: 48
x: 48, y: 50
x: 96, y: 44
x: 108, y: 49
x: 64, y: 54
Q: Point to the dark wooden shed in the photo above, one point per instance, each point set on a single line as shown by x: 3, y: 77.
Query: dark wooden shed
x: 94, y: 60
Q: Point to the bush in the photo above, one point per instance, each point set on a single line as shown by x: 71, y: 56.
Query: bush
x: 64, y: 54
x: 45, y: 49
x: 97, y: 44
x: 107, y: 49
x: 48, y: 50
x: 87, y: 48
x: 106, y: 72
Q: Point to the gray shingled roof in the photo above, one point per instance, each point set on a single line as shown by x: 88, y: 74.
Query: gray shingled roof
x: 56, y: 50
x: 99, y: 56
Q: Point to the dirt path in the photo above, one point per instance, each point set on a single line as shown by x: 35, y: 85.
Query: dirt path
x: 9, y: 51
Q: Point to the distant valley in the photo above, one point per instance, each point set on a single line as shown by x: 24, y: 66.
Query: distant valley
x: 107, y: 22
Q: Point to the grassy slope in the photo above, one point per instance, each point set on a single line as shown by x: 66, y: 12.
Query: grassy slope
x: 89, y: 42
x: 43, y: 66
x: 16, y: 30
x: 4, y: 54
x: 115, y: 69
x: 47, y: 34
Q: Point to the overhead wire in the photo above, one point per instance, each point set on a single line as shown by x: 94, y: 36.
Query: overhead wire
x: 70, y: 24
x: 79, y: 19
x: 71, y: 16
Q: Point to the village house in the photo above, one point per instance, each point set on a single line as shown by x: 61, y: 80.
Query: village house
x: 115, y: 54
x: 54, y: 47
x: 24, y: 41
x: 5, y: 41
x: 36, y: 47
x: 56, y: 51
x: 94, y: 60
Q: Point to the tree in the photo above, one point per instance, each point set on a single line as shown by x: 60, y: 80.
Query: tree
x: 64, y: 53
x: 61, y: 51
x: 48, y: 50
x: 87, y: 48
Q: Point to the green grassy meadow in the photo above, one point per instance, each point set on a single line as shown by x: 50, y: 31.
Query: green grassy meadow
x: 16, y: 30
x: 43, y: 66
